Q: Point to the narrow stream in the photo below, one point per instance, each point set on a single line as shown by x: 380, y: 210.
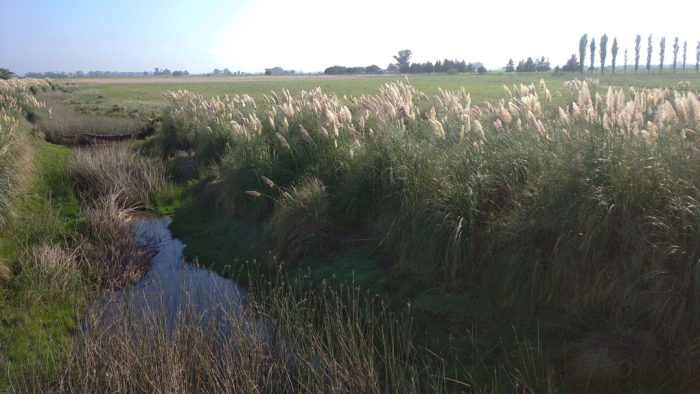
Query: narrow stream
x: 171, y: 282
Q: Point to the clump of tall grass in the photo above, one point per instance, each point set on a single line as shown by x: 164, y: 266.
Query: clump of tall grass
x: 52, y: 267
x: 59, y: 120
x: 112, y: 256
x: 301, y: 222
x: 117, y: 170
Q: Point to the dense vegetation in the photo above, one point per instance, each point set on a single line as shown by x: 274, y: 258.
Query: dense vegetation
x: 537, y: 242
x: 584, y: 216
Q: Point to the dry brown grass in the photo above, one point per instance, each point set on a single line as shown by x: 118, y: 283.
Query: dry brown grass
x: 5, y: 273
x: 116, y: 170
x: 311, y: 342
x: 113, y: 257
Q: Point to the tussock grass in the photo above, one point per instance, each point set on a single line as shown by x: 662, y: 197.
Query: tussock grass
x: 118, y: 171
x: 301, y: 222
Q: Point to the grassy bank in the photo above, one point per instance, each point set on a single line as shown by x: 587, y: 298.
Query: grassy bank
x: 58, y: 243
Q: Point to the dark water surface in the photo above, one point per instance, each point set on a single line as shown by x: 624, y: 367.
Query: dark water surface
x: 172, y: 283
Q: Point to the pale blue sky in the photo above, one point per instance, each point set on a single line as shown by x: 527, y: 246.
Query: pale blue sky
x: 129, y: 35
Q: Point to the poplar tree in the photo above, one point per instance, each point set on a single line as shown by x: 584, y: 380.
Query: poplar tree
x: 650, y: 50
x: 603, y: 52
x: 637, y: 50
x: 582, y: 44
x: 592, y: 55
x: 662, y: 53
x: 685, y: 54
x: 614, y: 54
x: 625, y: 61
x: 675, y: 54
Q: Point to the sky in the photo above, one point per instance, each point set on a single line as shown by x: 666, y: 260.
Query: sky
x: 310, y: 35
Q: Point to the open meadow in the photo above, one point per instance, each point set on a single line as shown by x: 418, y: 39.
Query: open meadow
x: 430, y: 233
x: 482, y: 87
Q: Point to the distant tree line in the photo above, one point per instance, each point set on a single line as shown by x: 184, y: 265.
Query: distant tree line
x: 529, y: 66
x: 404, y: 65
x: 337, y: 70
x: 99, y: 74
x: 279, y: 71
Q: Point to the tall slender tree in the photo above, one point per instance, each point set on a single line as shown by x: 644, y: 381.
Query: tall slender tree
x: 625, y: 61
x: 697, y: 58
x: 637, y: 50
x: 662, y: 54
x: 650, y: 50
x: 675, y: 54
x: 603, y: 52
x: 685, y: 54
x: 592, y: 55
x: 582, y: 45
x: 613, y: 51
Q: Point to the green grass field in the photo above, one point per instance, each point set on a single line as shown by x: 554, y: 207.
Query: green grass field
x: 482, y: 87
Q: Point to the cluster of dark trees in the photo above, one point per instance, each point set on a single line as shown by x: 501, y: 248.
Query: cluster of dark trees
x: 165, y: 71
x: 279, y: 71
x: 444, y: 66
x: 403, y: 65
x: 226, y: 72
x: 337, y: 70
x: 529, y: 66
x: 6, y: 73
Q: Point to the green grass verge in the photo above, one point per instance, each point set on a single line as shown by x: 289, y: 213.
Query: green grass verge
x: 33, y: 320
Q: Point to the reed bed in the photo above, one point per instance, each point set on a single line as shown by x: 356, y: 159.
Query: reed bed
x: 588, y: 209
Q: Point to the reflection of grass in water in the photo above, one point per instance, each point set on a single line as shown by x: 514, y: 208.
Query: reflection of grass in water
x: 289, y: 338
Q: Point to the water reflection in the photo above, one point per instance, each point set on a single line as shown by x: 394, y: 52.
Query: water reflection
x: 171, y: 284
